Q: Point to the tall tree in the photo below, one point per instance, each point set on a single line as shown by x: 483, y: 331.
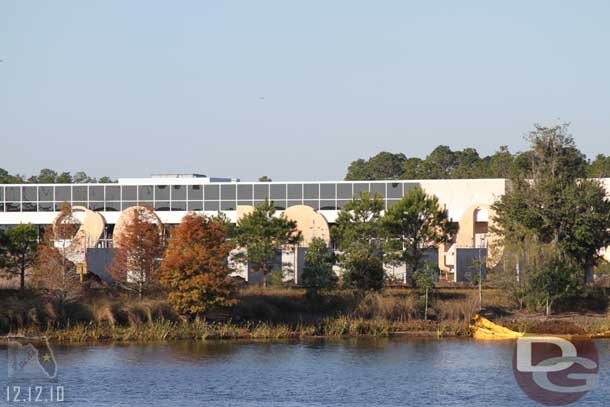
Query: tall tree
x: 263, y: 235
x: 194, y: 269
x: 416, y: 223
x: 21, y: 242
x: 551, y: 203
x: 384, y: 165
x: 359, y: 235
x: 318, y: 268
x: 137, y: 257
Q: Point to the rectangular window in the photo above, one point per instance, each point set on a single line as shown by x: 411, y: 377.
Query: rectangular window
x: 278, y: 192
x: 327, y: 205
x: 344, y: 191
x: 244, y: 193
x: 195, y: 193
x: 96, y: 193
x: 295, y: 191
x: 211, y: 205
x: 145, y: 193
x: 96, y: 206
x: 212, y: 193
x: 178, y: 205
x: 195, y: 206
x: 1, y: 206
x: 327, y: 191
x: 312, y: 203
x: 293, y: 203
x: 394, y: 190
x: 127, y: 204
x: 261, y: 191
x: 342, y: 202
x: 13, y: 194
x: 29, y: 194
x: 79, y: 193
x: 409, y: 186
x: 279, y: 204
x: 1, y: 193
x: 129, y: 193
x: 13, y: 207
x: 227, y: 205
x: 360, y: 188
x: 162, y: 205
x: 113, y: 206
x: 79, y: 203
x: 45, y: 194
x: 45, y: 207
x: 227, y: 193
x: 242, y: 203
x: 311, y: 191
x: 63, y: 194
x: 161, y: 193
x: 113, y: 193
x: 378, y: 188
x: 28, y: 207
x: 178, y: 192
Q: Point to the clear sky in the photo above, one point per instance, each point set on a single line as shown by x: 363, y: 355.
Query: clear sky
x: 293, y: 90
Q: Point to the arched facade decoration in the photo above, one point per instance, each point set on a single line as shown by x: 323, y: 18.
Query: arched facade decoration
x: 310, y: 223
x: 127, y: 216
x: 87, y: 236
x: 475, y: 230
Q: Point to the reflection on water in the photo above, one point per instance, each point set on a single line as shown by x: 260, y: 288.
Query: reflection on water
x: 355, y: 372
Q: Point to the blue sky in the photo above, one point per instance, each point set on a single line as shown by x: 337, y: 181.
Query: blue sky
x: 293, y: 90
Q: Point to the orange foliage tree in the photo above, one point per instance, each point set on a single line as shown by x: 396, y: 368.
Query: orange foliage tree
x: 195, y: 270
x: 137, y: 256
x: 53, y: 271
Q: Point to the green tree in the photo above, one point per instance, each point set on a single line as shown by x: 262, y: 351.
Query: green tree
x: 600, y: 167
x: 6, y: 178
x: 384, y: 165
x: 318, y: 268
x: 263, y: 234
x: 105, y: 180
x: 46, y: 176
x: 424, y: 280
x: 414, y: 224
x: 20, y: 245
x: 359, y: 235
x: 551, y: 203
x: 81, y: 177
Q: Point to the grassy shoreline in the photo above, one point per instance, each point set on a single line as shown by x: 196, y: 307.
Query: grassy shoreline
x: 274, y: 314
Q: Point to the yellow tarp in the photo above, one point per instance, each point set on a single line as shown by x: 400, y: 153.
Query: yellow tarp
x: 484, y: 329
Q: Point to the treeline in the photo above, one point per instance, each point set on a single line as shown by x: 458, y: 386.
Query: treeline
x: 48, y: 176
x: 444, y: 163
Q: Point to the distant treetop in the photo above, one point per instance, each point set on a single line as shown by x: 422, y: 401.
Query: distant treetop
x: 48, y: 176
x: 444, y: 163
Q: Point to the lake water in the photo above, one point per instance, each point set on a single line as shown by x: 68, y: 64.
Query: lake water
x: 358, y: 372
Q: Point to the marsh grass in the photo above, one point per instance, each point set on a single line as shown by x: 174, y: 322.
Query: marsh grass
x: 263, y: 314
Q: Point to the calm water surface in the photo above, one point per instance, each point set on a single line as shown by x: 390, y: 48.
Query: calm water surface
x: 363, y: 372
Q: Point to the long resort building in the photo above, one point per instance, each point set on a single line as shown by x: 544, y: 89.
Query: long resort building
x: 103, y: 209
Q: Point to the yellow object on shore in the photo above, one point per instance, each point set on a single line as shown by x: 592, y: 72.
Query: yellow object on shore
x: 484, y: 329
